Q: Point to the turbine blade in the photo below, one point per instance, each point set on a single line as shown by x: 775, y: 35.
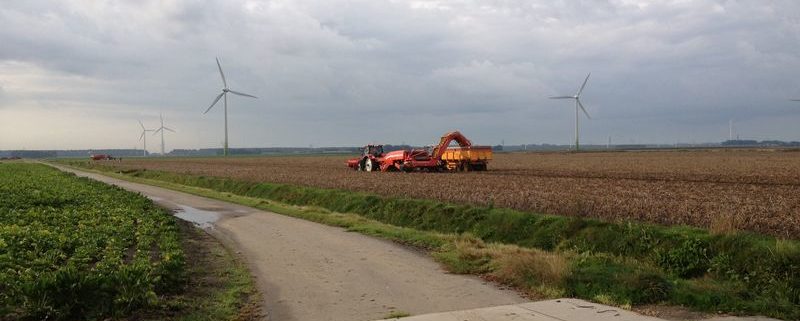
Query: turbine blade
x: 169, y: 129
x: 562, y: 97
x: 584, y: 109
x: 215, y: 102
x: 140, y: 124
x: 584, y: 84
x: 224, y: 82
x: 140, y: 137
x: 162, y: 119
x: 156, y: 131
x: 241, y: 94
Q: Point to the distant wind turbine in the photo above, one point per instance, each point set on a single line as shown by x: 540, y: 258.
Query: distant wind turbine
x: 162, y: 129
x: 578, y: 104
x: 224, y: 94
x: 730, y: 129
x: 143, y: 138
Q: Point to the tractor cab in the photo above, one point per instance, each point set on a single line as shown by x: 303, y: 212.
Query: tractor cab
x: 373, y: 150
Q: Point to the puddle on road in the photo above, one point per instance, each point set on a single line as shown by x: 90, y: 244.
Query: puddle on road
x: 201, y: 218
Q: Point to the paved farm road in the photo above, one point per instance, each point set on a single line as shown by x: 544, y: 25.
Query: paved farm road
x: 309, y: 271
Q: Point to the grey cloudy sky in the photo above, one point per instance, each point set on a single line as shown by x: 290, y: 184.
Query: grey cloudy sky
x: 78, y: 74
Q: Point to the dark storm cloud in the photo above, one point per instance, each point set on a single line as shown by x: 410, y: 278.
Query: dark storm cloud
x: 409, y: 69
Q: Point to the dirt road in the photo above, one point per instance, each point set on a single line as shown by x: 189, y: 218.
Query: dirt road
x: 309, y: 271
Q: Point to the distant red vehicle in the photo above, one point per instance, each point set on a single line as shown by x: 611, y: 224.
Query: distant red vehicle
x: 101, y: 157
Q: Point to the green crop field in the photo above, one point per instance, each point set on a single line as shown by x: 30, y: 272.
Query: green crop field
x: 73, y: 248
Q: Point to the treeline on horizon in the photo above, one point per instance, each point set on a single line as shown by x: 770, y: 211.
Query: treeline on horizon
x: 356, y: 150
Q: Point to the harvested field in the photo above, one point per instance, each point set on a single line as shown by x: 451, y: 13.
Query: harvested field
x: 724, y: 190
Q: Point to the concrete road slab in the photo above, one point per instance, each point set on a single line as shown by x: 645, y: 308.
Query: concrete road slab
x: 755, y: 318
x: 576, y: 309
x: 499, y: 313
x: 551, y: 310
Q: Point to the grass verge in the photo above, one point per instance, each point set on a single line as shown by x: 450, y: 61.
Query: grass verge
x: 218, y: 287
x: 623, y: 264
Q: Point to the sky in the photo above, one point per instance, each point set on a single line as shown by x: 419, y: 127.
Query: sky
x: 79, y: 74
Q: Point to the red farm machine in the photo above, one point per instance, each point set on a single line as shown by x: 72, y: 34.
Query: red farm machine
x: 441, y: 157
x: 101, y: 157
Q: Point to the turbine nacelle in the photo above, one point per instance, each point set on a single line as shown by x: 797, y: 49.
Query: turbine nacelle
x: 144, y: 130
x: 162, y: 128
x: 225, y: 91
x: 578, y: 105
x: 143, y: 137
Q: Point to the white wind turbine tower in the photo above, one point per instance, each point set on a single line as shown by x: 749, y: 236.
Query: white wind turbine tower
x: 224, y: 94
x: 578, y: 104
x: 143, y: 138
x: 162, y: 129
x: 730, y: 129
x: 794, y: 99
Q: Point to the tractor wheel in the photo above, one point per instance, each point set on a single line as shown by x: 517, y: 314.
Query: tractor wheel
x: 360, y: 167
x: 369, y: 165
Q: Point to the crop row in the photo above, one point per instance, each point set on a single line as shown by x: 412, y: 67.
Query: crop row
x: 73, y: 248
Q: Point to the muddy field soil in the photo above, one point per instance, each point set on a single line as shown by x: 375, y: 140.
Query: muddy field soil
x: 724, y: 190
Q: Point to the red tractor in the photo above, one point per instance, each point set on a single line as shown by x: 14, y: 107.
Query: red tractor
x: 101, y: 157
x: 441, y: 157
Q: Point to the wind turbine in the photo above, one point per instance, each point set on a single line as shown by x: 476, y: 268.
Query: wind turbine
x: 162, y: 129
x: 143, y: 138
x: 225, y: 91
x: 578, y: 104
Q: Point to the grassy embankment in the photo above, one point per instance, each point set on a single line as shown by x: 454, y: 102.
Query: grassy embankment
x: 72, y: 248
x: 623, y: 264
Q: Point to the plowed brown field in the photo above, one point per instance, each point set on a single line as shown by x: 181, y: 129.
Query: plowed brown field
x: 718, y: 189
